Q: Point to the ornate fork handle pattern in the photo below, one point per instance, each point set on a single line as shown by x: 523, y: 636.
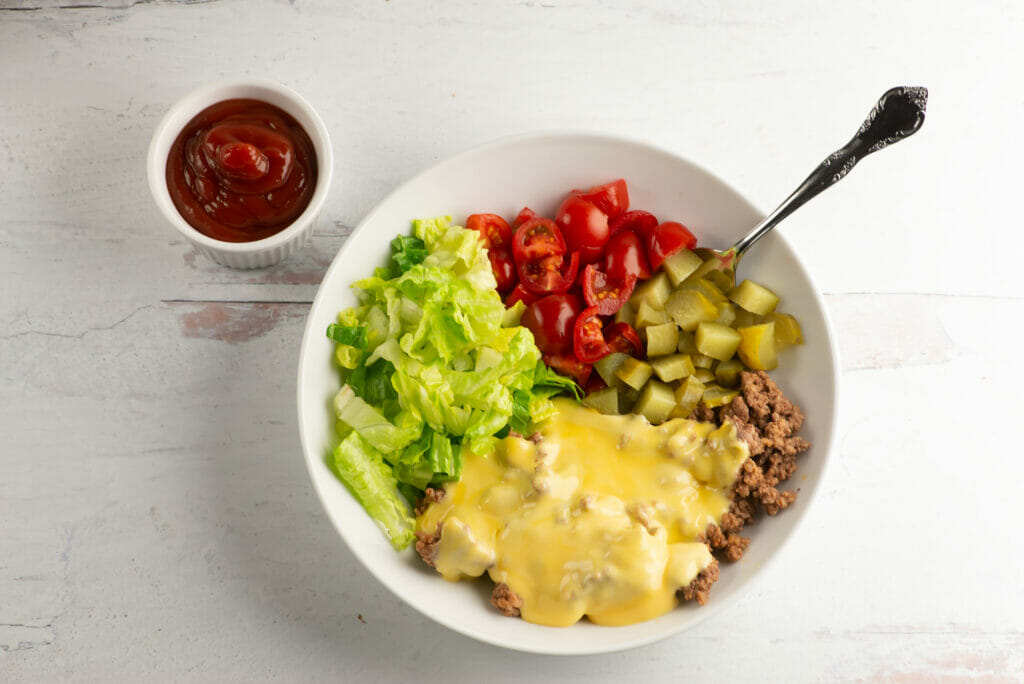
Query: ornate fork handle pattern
x: 898, y: 114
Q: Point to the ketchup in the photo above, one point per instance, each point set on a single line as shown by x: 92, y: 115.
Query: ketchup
x: 241, y: 170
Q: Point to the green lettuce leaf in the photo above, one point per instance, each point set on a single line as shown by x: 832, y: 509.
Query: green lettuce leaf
x: 370, y: 423
x: 371, y: 481
x: 434, y: 368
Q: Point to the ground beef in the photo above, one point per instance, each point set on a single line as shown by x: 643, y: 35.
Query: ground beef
x: 768, y: 422
x: 426, y: 545
x: 700, y: 587
x: 703, y: 414
x: 728, y: 545
x: 430, y: 495
x: 506, y: 600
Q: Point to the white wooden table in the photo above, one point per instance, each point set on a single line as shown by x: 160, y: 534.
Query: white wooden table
x: 156, y: 520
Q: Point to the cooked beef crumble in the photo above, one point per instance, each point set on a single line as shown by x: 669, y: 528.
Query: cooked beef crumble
x: 700, y: 587
x: 506, y: 600
x: 768, y: 422
x: 426, y: 545
x: 430, y: 495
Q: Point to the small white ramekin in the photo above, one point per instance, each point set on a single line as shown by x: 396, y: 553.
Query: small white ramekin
x: 269, y: 250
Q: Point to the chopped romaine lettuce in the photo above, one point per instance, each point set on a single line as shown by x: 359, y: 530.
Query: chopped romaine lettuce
x: 351, y: 341
x: 371, y: 481
x: 434, y: 367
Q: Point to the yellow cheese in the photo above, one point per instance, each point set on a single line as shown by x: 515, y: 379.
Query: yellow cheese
x: 597, y: 519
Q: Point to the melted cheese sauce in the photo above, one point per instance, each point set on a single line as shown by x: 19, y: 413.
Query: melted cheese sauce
x: 600, y: 518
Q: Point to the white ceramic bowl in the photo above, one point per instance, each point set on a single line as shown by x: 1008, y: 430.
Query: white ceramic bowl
x: 269, y: 250
x: 537, y: 170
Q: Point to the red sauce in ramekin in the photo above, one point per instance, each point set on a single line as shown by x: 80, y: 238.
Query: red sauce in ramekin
x: 241, y: 170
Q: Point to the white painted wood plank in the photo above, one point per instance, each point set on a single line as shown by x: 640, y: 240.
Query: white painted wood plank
x: 156, y: 521
x: 397, y: 101
x: 187, y: 510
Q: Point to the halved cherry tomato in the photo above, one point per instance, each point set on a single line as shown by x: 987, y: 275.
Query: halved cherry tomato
x: 604, y: 293
x: 519, y: 294
x: 551, y: 321
x: 587, y: 339
x: 503, y: 267
x: 667, y: 239
x: 524, y: 215
x: 548, y: 275
x: 594, y: 384
x: 640, y: 222
x: 569, y: 366
x: 495, y: 230
x: 584, y: 226
x: 621, y: 337
x: 535, y: 239
x: 624, y: 255
x: 611, y: 198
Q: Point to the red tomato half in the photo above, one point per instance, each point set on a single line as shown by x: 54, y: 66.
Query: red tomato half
x: 503, y: 267
x: 622, y: 338
x: 535, y: 239
x: 611, y: 198
x: 519, y: 294
x: 588, y: 341
x: 640, y: 222
x: 569, y: 366
x: 624, y: 255
x: 606, y: 294
x: 551, y: 321
x: 667, y: 239
x: 495, y: 230
x: 548, y: 275
x: 584, y: 226
x: 496, y: 235
x: 524, y: 215
x: 595, y: 384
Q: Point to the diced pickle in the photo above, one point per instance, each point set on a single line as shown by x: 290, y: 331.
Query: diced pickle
x: 604, y: 400
x: 626, y: 314
x: 755, y: 298
x: 627, y: 398
x: 727, y: 373
x: 711, y: 263
x: 726, y: 313
x: 744, y: 318
x: 647, y: 315
x: 687, y: 395
x: 716, y: 340
x: 721, y: 279
x: 607, y: 365
x: 787, y: 330
x: 716, y: 396
x: 705, y: 375
x: 680, y: 265
x: 686, y: 343
x: 701, y: 330
x: 661, y: 339
x: 689, y: 307
x: 757, y: 346
x: 706, y: 288
x: 654, y: 291
x: 634, y: 372
x: 656, y: 402
x: 702, y: 360
x: 673, y: 367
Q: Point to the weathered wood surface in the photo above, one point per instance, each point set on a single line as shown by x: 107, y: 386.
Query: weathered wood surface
x: 156, y: 520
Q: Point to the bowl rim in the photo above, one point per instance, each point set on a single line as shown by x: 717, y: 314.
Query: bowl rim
x: 203, y: 96
x: 712, y: 608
